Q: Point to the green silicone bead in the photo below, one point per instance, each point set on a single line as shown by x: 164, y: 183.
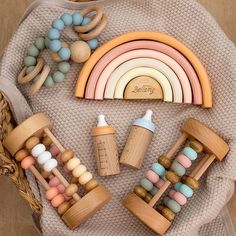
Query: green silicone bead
x: 32, y: 51
x: 173, y: 205
x: 64, y: 67
x: 47, y: 42
x: 40, y: 43
x: 36, y: 78
x: 29, y: 69
x: 30, y: 61
x: 154, y: 191
x: 58, y: 77
x: 48, y: 83
x: 146, y: 184
x: 178, y: 168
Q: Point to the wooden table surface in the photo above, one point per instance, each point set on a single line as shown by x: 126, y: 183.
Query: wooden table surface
x: 15, y: 215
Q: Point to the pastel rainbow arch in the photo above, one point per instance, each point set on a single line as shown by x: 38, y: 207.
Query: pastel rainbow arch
x: 166, y: 61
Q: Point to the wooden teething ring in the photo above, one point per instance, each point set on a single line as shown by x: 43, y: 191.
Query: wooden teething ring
x: 39, y: 83
x: 23, y: 79
x: 94, y: 22
x: 96, y: 32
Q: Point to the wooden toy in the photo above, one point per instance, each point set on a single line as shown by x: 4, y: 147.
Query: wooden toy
x: 105, y: 148
x: 138, y: 141
x: 167, y: 172
x: 32, y: 140
x: 100, y: 76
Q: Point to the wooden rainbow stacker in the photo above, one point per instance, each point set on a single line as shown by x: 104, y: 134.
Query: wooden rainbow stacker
x: 168, y: 173
x: 33, y: 141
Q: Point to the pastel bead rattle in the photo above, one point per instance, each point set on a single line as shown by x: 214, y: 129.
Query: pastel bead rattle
x: 138, y: 141
x: 32, y: 141
x: 172, y: 172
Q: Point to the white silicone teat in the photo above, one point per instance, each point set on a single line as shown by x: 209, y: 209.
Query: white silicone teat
x: 148, y: 115
x: 101, y: 121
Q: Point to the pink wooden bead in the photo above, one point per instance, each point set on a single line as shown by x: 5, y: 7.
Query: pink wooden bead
x: 27, y: 162
x: 152, y: 176
x: 54, y: 150
x: 183, y: 160
x: 160, y: 183
x: 66, y: 170
x: 54, y: 182
x: 67, y: 198
x: 58, y: 200
x: 172, y: 193
x: 51, y: 193
x: 180, y: 198
x: 61, y: 188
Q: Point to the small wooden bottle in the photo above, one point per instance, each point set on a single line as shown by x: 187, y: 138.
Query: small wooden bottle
x: 138, y: 142
x: 105, y: 148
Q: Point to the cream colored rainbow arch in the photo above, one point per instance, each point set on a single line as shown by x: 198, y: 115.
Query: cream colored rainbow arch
x: 169, y: 58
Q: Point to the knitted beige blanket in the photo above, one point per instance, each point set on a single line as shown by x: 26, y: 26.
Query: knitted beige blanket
x: 73, y: 118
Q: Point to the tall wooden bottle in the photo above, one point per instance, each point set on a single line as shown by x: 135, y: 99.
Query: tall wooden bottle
x: 138, y: 142
x: 105, y: 148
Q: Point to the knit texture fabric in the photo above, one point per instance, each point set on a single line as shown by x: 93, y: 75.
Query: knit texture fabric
x: 73, y: 118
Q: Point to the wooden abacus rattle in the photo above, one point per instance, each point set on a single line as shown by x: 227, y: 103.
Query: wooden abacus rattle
x: 31, y: 140
x: 166, y: 172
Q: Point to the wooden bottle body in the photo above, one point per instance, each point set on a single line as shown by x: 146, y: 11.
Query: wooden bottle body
x: 136, y: 147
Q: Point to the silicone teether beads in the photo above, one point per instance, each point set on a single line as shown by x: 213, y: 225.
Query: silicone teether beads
x: 138, y: 141
x: 105, y: 148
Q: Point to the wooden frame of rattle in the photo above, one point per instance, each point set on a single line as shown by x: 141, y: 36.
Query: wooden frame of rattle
x: 147, y: 202
x: 32, y: 140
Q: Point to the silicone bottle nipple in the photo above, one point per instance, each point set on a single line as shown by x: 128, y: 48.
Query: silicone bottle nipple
x: 148, y: 115
x: 101, y: 121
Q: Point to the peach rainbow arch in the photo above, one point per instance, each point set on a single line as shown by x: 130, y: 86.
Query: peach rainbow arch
x: 191, y: 65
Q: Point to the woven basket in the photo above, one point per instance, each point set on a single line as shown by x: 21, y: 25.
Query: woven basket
x: 8, y: 166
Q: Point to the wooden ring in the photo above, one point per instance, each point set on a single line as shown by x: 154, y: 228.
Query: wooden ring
x: 97, y: 31
x: 39, y: 83
x: 23, y: 79
x: 94, y: 22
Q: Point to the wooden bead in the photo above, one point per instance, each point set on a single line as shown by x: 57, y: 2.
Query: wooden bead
x: 45, y: 174
x: 51, y: 193
x: 46, y: 141
x: 78, y: 171
x: 54, y: 56
x: 172, y: 177
x: 80, y: 51
x: 148, y: 198
x: 191, y: 182
x: 32, y: 142
x: 71, y: 190
x: 168, y: 214
x: 197, y: 146
x: 160, y: 207
x: 74, y: 180
x: 63, y: 208
x: 164, y: 161
x: 27, y: 162
x: 140, y: 191
x: 72, y: 201
x: 20, y: 155
x: 58, y: 200
x: 85, y: 178
x: 67, y: 155
x: 92, y: 184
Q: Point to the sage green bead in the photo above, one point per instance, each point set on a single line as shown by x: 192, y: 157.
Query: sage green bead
x: 47, y: 42
x: 173, y: 206
x: 30, y: 61
x: 178, y: 168
x: 48, y: 83
x: 154, y: 191
x: 40, y: 43
x: 29, y: 69
x: 58, y: 77
x: 33, y: 51
x: 36, y: 78
x: 146, y: 184
x: 64, y: 67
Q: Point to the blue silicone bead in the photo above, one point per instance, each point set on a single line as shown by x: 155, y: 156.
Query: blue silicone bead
x: 177, y: 186
x: 93, y: 43
x: 67, y: 19
x: 64, y: 54
x: 55, y: 45
x: 58, y: 24
x: 146, y: 184
x: 178, y: 169
x: 54, y: 34
x: 77, y: 18
x: 186, y: 190
x: 154, y: 191
x: 158, y: 169
x: 190, y: 153
x: 173, y: 206
x: 86, y: 21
